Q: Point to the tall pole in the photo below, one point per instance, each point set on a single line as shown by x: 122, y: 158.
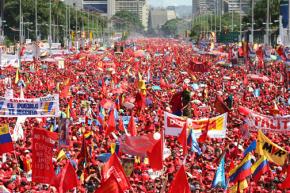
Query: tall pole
x: 88, y: 24
x: 50, y: 35
x: 267, y: 23
x: 253, y: 7
x: 20, y: 22
x: 36, y: 34
x: 232, y: 20
x: 220, y: 13
x: 289, y: 22
x: 240, y: 20
x: 215, y: 14
x: 76, y: 37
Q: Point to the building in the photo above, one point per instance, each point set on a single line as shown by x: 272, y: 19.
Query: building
x: 159, y: 17
x: 195, y: 7
x: 210, y: 6
x: 104, y: 7
x: 75, y: 3
x: 137, y: 7
x: 234, y: 5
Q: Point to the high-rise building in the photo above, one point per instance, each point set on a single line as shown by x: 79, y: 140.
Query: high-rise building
x: 159, y: 17
x: 234, y: 5
x: 211, y: 6
x: 137, y: 7
x: 104, y: 7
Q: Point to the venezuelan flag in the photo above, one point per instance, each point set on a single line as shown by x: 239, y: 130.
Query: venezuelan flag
x: 259, y: 168
x: 6, y: 144
x: 47, y: 107
x: 242, y: 171
x: 239, y: 187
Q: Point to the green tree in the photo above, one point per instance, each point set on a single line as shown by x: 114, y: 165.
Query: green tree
x: 260, y: 13
x: 208, y: 23
x: 11, y: 15
x: 127, y: 21
x: 170, y: 28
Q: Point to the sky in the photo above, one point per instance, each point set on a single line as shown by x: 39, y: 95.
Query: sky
x: 165, y: 3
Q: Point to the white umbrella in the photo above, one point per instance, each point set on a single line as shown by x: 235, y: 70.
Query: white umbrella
x: 128, y: 105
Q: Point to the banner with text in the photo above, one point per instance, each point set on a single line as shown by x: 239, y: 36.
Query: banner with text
x: 266, y: 123
x: 217, y: 125
x: 35, y: 107
x: 42, y: 152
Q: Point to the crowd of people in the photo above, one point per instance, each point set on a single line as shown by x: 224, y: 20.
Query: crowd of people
x: 143, y: 81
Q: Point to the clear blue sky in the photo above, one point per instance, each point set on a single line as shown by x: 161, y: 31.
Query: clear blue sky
x: 165, y: 3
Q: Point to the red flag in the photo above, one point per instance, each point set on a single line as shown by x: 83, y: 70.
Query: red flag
x: 220, y: 105
x: 65, y: 91
x: 246, y: 82
x: 140, y: 100
x: 182, y: 139
x: 155, y: 156
x: 83, y: 155
x: 162, y: 83
x: 180, y: 183
x: 132, y: 127
x: 121, y: 125
x: 111, y: 127
x: 203, y: 135
x: 110, y: 185
x: 114, y: 168
x: 42, y: 153
x: 104, y: 87
x: 286, y: 183
x: 68, y: 178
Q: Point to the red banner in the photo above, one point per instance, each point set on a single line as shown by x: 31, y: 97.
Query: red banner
x: 137, y: 145
x: 42, y: 168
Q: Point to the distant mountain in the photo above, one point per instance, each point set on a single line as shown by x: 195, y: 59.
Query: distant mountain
x: 183, y: 11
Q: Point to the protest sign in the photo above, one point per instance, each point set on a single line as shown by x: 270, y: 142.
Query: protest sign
x: 42, y: 168
x: 35, y: 107
x: 217, y: 125
x: 256, y: 121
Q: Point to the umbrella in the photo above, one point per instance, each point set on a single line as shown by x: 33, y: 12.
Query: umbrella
x: 104, y: 157
x: 156, y: 88
x: 128, y: 105
x: 257, y: 77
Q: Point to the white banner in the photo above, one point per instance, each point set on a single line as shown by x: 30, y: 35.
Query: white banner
x: 279, y: 124
x: 37, y: 107
x: 217, y: 125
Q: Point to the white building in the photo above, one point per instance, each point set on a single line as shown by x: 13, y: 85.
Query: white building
x: 234, y: 5
x: 159, y: 17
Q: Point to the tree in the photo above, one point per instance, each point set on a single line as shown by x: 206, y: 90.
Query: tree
x: 170, y: 27
x: 127, y: 21
x: 11, y: 15
x: 206, y: 23
x: 260, y: 13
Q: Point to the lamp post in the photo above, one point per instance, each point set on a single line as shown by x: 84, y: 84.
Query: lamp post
x: 36, y: 29
x: 50, y: 32
x: 267, y: 23
x: 252, y: 28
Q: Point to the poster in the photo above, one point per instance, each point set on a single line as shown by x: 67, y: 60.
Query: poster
x: 35, y: 107
x: 42, y: 152
x: 63, y: 128
x: 277, y: 124
x: 217, y: 125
